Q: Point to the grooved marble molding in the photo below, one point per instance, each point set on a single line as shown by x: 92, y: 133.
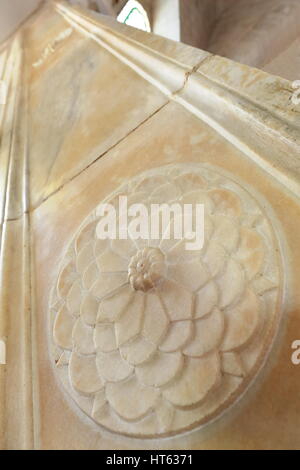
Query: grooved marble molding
x: 162, y: 349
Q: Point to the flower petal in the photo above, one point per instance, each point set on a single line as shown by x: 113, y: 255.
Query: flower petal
x: 99, y: 406
x: 208, y: 231
x: 63, y: 327
x: 165, y: 193
x: 208, y: 333
x: 191, y: 275
x: 89, y: 309
x: 138, y: 197
x: 131, y: 321
x: 168, y: 234
x: 198, y: 197
x: 161, y: 369
x: 206, y: 300
x: 74, y: 298
x: 130, y: 399
x: 262, y: 285
x: 105, y: 338
x: 215, y: 258
x: 198, y: 377
x: 231, y: 283
x: 86, y: 235
x: 112, y: 307
x: 124, y: 248
x: 226, y: 202
x: 84, y: 374
x: 107, y: 283
x: 101, y: 246
x: 138, y: 351
x: 110, y: 262
x: 177, y: 300
x: 190, y: 182
x: 226, y: 232
x: 241, y: 321
x: 66, y: 279
x: 149, y: 183
x: 165, y: 415
x: 251, y: 252
x: 155, y: 321
x: 83, y: 338
x: 112, y: 367
x: 90, y: 275
x: 232, y: 364
x: 85, y: 257
x: 179, y: 252
x: 179, y: 333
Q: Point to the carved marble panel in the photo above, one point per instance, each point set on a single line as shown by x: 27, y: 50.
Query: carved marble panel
x: 126, y: 344
x: 150, y: 339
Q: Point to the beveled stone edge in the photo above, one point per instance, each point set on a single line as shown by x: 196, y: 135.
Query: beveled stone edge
x: 16, y: 377
x: 268, y: 138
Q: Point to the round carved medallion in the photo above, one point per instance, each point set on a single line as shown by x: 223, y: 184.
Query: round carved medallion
x: 152, y: 339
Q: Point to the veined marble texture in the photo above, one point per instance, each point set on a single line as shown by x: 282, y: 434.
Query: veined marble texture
x: 150, y: 339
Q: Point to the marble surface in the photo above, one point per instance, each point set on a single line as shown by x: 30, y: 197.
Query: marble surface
x: 101, y: 110
x: 246, y: 428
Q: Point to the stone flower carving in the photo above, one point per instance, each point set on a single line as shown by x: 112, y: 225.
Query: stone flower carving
x: 150, y: 338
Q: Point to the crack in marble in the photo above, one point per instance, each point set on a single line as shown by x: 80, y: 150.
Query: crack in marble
x: 188, y: 74
x: 72, y: 178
